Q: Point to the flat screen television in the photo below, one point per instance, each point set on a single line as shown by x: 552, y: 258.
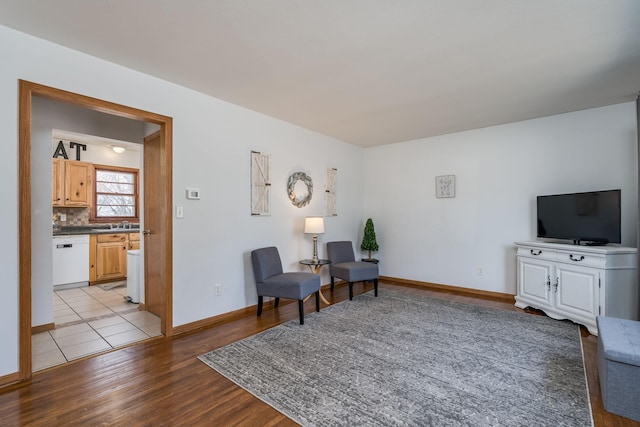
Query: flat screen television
x: 591, y: 217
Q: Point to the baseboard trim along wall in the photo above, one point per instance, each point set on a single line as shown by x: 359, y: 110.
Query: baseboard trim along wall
x: 456, y: 289
x: 210, y: 321
x: 43, y: 328
x: 238, y: 314
x: 9, y: 379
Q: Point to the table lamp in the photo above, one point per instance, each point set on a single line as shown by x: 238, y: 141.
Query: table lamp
x: 314, y: 225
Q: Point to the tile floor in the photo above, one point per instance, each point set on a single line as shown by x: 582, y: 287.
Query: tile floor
x: 90, y: 320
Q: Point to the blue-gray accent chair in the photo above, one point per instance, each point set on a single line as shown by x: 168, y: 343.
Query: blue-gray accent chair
x: 272, y: 282
x: 344, y: 266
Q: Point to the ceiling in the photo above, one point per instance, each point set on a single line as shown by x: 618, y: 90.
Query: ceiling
x: 368, y: 72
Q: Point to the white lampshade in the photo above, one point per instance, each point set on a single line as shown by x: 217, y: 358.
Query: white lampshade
x: 314, y: 225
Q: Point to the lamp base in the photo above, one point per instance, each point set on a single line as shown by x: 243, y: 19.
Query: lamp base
x: 315, y: 248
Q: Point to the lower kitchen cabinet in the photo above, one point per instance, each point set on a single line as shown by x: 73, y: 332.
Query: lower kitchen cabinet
x: 108, y: 255
x: 134, y: 241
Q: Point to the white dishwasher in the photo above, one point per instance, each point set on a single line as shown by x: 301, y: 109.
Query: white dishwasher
x: 70, y: 261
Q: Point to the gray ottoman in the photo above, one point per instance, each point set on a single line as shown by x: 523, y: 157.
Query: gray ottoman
x: 619, y: 365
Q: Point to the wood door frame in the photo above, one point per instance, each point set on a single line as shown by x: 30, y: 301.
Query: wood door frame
x: 26, y: 92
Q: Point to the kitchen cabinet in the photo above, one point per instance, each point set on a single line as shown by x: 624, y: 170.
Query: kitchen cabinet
x: 71, y: 183
x: 58, y: 182
x: 108, y: 255
x: 578, y: 283
x: 134, y: 241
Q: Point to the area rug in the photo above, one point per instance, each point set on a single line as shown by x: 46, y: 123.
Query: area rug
x: 408, y: 360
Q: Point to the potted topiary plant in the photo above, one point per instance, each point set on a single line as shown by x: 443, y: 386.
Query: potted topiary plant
x: 369, y: 240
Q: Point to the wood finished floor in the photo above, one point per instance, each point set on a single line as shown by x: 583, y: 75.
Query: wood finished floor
x: 161, y: 383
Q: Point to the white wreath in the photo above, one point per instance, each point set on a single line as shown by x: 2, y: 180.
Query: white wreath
x: 291, y: 186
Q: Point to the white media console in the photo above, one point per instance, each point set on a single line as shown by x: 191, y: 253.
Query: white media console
x: 578, y: 282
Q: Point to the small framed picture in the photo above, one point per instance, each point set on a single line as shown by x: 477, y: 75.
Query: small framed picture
x: 445, y: 186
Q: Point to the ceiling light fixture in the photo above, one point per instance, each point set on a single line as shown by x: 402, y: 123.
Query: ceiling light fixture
x: 118, y: 149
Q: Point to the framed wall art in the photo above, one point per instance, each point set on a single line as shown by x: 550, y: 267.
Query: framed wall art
x: 330, y: 192
x: 445, y: 186
x: 260, y: 184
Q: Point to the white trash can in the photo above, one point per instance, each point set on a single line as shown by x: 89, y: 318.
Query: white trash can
x: 133, y: 276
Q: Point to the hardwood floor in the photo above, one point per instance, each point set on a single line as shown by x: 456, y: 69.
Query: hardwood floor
x: 161, y: 383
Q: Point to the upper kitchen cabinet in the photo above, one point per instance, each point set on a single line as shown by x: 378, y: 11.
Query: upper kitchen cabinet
x: 71, y: 183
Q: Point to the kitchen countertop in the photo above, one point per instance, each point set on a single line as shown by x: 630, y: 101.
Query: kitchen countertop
x: 73, y: 230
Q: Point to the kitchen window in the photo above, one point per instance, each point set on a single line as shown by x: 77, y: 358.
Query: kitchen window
x: 115, y: 194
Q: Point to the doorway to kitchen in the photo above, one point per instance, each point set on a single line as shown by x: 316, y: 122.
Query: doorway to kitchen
x: 96, y: 237
x: 160, y: 216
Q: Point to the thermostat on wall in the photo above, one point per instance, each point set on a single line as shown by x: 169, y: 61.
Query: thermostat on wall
x: 193, y: 193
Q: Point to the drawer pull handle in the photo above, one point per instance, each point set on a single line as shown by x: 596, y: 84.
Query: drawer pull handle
x: 535, y: 253
x: 576, y: 259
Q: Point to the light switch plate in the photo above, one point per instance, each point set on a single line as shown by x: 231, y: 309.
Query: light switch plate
x: 179, y: 212
x: 193, y: 193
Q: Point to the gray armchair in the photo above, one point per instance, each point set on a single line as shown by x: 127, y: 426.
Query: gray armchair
x: 344, y: 266
x: 272, y: 282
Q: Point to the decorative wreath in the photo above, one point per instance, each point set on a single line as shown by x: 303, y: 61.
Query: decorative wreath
x: 291, y: 186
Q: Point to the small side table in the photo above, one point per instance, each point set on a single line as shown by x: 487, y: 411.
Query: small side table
x: 315, y: 267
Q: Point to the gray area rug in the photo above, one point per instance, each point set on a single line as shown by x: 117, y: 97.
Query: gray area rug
x: 408, y: 360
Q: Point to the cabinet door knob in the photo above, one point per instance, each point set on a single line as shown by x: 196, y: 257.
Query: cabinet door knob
x: 576, y: 259
x: 146, y: 232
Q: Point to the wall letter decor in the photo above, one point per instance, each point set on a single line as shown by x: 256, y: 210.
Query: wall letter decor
x: 60, y: 151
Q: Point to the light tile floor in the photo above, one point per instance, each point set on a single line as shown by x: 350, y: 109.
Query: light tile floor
x: 90, y: 320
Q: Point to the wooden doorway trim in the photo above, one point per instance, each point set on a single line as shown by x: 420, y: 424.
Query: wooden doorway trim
x: 27, y: 91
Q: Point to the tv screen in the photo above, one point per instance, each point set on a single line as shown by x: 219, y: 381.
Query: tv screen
x: 592, y: 217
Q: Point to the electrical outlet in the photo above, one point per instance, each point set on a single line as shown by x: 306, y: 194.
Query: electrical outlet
x: 217, y: 289
x: 63, y: 217
x: 480, y: 271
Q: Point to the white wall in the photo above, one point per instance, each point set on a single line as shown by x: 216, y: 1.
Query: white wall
x: 499, y: 172
x: 212, y: 144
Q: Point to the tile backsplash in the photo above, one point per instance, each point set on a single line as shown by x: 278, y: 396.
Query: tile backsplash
x: 75, y: 216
